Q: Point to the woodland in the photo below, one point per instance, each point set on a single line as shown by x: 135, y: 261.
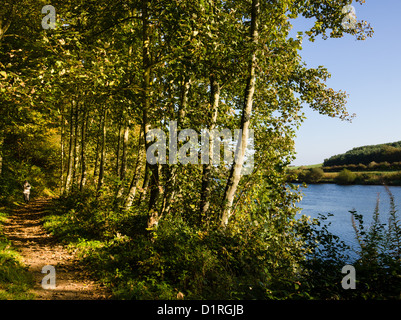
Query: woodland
x: 365, y: 155
x: 79, y: 98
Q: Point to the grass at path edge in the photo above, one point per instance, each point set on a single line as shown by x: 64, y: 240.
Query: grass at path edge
x: 15, y: 280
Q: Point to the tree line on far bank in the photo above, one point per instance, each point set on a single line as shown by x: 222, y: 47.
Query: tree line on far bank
x: 373, y: 164
x: 365, y: 155
x: 347, y: 175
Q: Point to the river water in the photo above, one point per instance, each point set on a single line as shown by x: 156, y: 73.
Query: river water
x: 339, y: 200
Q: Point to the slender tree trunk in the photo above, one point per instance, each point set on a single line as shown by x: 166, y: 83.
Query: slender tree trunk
x: 137, y: 169
x: 170, y: 191
x: 132, y: 188
x: 103, y: 151
x: 207, y: 168
x: 84, y: 130
x: 145, y: 183
x: 70, y: 167
x: 76, y: 148
x: 120, y: 132
x: 96, y: 166
x: 153, y: 215
x: 62, y: 151
x: 4, y: 25
x: 140, y: 162
x: 123, y: 166
x: 235, y: 172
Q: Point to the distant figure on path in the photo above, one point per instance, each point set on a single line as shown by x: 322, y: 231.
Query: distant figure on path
x: 27, y: 191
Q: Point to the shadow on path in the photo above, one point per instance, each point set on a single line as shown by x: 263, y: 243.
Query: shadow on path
x: 38, y: 249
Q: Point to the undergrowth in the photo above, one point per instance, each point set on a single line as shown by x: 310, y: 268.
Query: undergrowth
x: 292, y: 259
x: 178, y: 259
x: 15, y: 280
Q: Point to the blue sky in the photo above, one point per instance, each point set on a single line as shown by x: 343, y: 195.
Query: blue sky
x: 370, y: 72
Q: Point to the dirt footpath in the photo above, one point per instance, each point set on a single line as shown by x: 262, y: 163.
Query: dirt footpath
x: 38, y: 249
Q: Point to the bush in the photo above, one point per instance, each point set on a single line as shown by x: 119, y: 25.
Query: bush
x: 248, y: 260
x: 363, y: 178
x: 361, y: 167
x: 346, y: 177
x: 379, y: 265
x: 315, y: 175
x: 276, y: 257
x: 325, y: 257
x: 393, y: 178
x: 378, y: 262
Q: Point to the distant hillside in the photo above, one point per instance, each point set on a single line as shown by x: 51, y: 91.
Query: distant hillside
x: 387, y: 152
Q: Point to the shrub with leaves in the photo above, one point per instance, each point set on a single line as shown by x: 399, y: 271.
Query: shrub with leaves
x: 379, y: 264
x: 346, y: 177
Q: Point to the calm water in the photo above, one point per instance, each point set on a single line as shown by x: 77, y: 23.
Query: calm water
x: 339, y: 200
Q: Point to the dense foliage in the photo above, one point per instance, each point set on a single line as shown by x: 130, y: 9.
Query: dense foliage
x: 78, y: 103
x: 92, y: 88
x: 388, y: 152
x: 199, y: 263
x: 194, y: 264
x: 372, y: 166
x: 378, y: 174
x: 380, y: 252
